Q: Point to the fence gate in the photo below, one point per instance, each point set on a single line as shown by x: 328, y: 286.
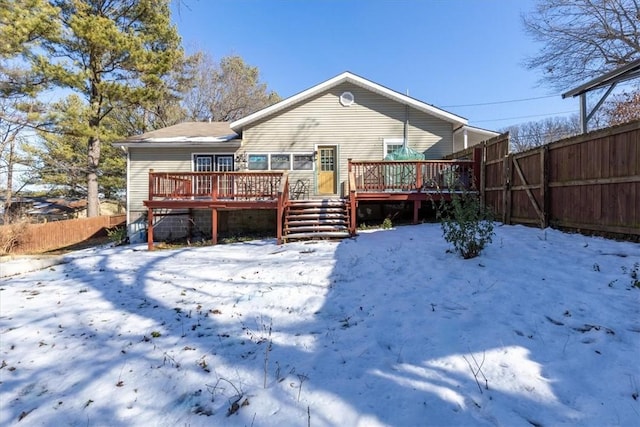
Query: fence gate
x: 525, y: 189
x: 493, y: 173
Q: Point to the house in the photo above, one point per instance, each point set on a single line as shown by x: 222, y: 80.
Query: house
x: 199, y: 176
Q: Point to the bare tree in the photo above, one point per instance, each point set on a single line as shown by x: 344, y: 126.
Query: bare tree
x: 13, y: 126
x: 225, y: 91
x: 582, y: 39
x: 533, y: 134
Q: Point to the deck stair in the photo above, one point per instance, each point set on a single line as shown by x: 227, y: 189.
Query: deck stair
x: 316, y: 219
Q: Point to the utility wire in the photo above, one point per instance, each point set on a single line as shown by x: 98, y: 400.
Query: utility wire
x: 501, y: 102
x: 525, y: 117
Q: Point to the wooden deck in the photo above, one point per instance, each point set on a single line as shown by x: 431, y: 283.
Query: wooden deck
x: 215, y: 191
x: 373, y: 181
x: 414, y: 181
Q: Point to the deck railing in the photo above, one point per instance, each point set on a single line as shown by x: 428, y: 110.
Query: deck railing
x: 242, y: 186
x: 411, y: 175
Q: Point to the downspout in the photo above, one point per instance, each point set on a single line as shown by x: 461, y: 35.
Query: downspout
x: 405, y: 136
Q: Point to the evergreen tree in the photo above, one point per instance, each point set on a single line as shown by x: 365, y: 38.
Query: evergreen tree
x: 114, y: 54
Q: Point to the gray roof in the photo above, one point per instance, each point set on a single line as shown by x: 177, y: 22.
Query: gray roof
x: 218, y: 131
x: 626, y: 72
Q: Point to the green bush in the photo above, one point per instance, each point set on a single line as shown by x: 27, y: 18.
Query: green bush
x: 466, y: 224
x: 117, y: 234
x: 387, y: 224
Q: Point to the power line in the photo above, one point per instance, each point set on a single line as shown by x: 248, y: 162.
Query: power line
x: 525, y: 117
x: 501, y: 102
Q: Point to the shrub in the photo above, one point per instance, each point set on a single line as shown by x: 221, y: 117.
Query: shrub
x: 13, y: 235
x: 387, y: 224
x: 117, y: 235
x: 466, y: 224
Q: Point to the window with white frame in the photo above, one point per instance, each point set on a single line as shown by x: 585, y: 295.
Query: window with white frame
x: 303, y: 162
x: 258, y: 162
x: 280, y: 162
x: 391, y: 145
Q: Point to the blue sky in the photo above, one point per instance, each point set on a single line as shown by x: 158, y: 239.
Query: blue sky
x: 449, y: 53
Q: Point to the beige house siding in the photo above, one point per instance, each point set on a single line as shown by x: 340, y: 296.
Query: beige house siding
x: 141, y: 160
x: 358, y: 130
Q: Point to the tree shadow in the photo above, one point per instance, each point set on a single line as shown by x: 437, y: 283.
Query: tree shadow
x: 382, y: 340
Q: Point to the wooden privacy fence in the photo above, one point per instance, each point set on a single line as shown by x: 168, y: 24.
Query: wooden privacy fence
x: 587, y: 182
x: 38, y: 238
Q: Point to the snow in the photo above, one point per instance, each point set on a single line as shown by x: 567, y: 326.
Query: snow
x: 387, y: 329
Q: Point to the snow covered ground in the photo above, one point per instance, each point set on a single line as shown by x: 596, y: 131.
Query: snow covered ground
x: 388, y: 328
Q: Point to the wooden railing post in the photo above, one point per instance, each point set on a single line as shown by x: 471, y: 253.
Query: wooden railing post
x: 353, y: 203
x: 282, y: 200
x: 151, y: 182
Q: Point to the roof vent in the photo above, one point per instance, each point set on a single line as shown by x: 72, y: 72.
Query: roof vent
x: 347, y: 99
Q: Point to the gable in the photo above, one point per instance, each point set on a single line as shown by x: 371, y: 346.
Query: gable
x: 353, y: 81
x: 360, y: 129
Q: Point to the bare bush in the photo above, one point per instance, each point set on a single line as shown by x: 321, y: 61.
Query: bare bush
x: 13, y: 235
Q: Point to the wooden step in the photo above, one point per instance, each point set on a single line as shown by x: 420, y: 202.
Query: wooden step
x: 316, y: 221
x: 324, y: 235
x: 291, y: 228
x: 328, y: 203
x: 316, y: 216
x: 315, y: 210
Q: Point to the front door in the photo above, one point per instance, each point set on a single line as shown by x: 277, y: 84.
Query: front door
x: 327, y: 169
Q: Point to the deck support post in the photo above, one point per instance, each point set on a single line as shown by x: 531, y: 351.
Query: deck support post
x: 417, y: 204
x: 214, y: 226
x: 150, y: 229
x: 279, y: 219
x: 190, y: 225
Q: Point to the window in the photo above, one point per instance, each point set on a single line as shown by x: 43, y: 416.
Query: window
x: 280, y: 162
x: 391, y: 145
x: 303, y: 162
x: 203, y: 163
x: 258, y: 162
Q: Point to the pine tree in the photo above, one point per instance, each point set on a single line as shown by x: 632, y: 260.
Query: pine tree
x: 112, y: 54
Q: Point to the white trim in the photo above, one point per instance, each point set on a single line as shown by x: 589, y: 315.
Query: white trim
x: 285, y: 153
x: 347, y: 99
x: 213, y: 155
x: 277, y: 153
x: 390, y: 141
x: 231, y: 144
x: 476, y: 130
x: 249, y: 154
x: 358, y: 81
x: 128, y: 202
x: 190, y: 139
x: 305, y: 153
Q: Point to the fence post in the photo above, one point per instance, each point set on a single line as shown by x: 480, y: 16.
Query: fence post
x: 483, y: 176
x: 544, y: 185
x: 506, y: 192
x: 477, y: 165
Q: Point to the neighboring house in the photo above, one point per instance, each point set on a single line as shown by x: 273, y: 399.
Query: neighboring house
x: 311, y: 135
x: 46, y: 209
